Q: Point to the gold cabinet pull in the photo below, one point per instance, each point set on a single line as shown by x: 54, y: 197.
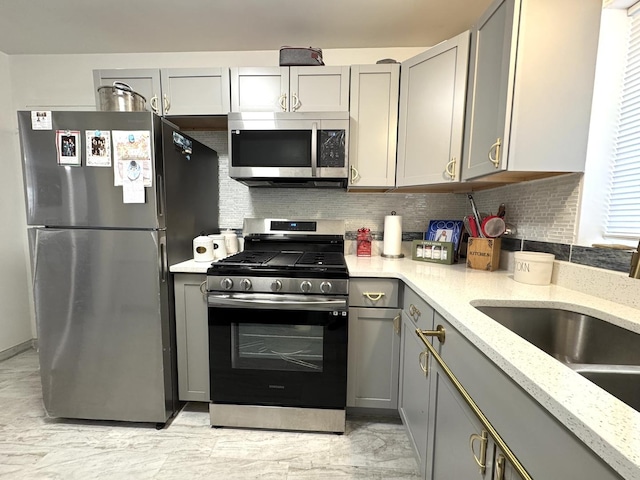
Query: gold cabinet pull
x: 499, y: 469
x: 374, y: 297
x: 423, y: 360
x: 482, y: 459
x: 354, y: 174
x: 296, y: 102
x: 396, y: 324
x: 154, y: 104
x: 283, y: 102
x: 439, y: 333
x: 495, y: 160
x: 451, y: 168
x: 166, y: 103
x: 414, y: 313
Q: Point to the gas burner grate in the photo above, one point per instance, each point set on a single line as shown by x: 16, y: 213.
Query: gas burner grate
x: 321, y: 258
x: 250, y: 257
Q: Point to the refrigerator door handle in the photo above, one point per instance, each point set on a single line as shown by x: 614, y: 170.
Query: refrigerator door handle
x: 163, y: 262
x: 160, y: 188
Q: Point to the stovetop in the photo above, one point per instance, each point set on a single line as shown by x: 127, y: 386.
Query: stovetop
x: 295, y: 259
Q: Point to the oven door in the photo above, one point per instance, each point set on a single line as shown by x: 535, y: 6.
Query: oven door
x: 278, y: 350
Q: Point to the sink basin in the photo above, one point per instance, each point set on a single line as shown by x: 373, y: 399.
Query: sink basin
x: 603, y: 353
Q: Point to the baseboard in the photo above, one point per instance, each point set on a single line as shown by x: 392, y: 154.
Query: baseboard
x: 23, y: 347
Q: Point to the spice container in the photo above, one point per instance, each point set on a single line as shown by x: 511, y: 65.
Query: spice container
x: 364, y: 242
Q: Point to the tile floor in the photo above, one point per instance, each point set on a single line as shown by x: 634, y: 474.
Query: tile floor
x: 33, y: 446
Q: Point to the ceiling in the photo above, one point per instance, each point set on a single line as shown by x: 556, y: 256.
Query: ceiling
x: 126, y: 26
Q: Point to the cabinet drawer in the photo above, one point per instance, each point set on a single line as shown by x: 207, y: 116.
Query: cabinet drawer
x: 417, y: 309
x: 373, y: 292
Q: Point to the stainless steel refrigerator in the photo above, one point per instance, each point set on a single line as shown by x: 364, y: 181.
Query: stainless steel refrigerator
x: 102, y: 291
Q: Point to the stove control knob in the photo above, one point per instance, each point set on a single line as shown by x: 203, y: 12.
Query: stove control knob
x: 245, y: 284
x: 325, y: 287
x: 276, y: 286
x: 226, y: 283
x: 305, y: 286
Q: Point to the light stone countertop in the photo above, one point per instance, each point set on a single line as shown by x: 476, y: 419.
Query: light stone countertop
x: 608, y: 426
x: 190, y: 266
x: 605, y: 424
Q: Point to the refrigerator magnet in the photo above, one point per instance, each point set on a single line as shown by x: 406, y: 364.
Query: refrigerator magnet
x: 41, y: 120
x: 133, y: 183
x: 98, y: 146
x: 131, y: 145
x: 68, y: 147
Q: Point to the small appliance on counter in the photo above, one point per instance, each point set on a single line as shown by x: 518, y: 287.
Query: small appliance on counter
x: 203, y: 249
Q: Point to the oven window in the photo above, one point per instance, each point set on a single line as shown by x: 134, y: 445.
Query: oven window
x: 271, y: 148
x: 297, y: 348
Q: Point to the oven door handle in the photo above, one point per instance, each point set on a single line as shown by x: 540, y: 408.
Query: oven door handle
x: 282, y: 302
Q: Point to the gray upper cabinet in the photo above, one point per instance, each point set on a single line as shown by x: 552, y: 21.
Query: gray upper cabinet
x: 431, y: 121
x: 174, y: 91
x: 195, y: 91
x: 289, y: 89
x: 373, y: 128
x: 145, y: 81
x: 530, y: 87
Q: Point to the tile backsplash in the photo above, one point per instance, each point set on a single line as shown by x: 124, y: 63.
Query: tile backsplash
x: 543, y: 211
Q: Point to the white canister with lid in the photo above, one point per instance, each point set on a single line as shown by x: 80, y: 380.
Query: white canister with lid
x: 534, y: 268
x: 230, y: 241
x: 203, y: 249
x: 219, y: 248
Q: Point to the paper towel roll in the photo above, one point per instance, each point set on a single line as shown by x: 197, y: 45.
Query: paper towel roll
x: 392, y: 243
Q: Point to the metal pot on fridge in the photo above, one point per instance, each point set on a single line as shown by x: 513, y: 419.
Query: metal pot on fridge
x: 120, y: 97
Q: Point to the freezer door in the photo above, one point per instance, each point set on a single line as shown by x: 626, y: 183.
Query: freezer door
x: 102, y: 313
x: 85, y: 196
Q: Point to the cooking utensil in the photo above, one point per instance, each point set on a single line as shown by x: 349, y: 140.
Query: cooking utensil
x: 501, y: 211
x: 470, y: 224
x: 120, y: 97
x: 476, y: 216
x: 493, y: 226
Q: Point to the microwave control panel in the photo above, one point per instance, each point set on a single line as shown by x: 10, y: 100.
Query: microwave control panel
x: 332, y: 148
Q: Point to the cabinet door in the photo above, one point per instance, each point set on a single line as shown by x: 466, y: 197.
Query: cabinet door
x: 192, y: 338
x: 195, y: 91
x: 144, y: 81
x: 260, y: 89
x: 458, y: 443
x: 414, y: 390
x: 374, y: 357
x: 492, y: 67
x: 319, y: 89
x: 432, y: 102
x: 373, y: 129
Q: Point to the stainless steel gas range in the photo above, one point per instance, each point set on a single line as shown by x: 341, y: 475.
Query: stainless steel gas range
x: 278, y: 327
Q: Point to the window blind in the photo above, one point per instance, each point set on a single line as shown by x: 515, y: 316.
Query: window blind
x: 623, y: 202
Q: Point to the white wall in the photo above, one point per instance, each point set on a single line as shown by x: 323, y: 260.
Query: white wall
x: 15, y: 306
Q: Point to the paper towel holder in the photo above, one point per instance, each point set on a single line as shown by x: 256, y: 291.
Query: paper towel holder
x: 387, y: 255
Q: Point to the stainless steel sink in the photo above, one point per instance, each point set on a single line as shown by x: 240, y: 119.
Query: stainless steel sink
x: 603, y: 353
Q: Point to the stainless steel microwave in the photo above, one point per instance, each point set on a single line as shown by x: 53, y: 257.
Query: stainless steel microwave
x: 289, y: 149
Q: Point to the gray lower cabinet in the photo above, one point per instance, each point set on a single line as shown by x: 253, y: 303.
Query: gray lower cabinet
x: 374, y: 357
x: 543, y: 447
x: 192, y: 337
x: 414, y: 390
x: 374, y: 343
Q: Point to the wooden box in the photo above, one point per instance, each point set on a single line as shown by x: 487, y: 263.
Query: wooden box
x: 483, y: 253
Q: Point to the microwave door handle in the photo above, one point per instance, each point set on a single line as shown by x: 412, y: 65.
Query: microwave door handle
x: 314, y: 149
